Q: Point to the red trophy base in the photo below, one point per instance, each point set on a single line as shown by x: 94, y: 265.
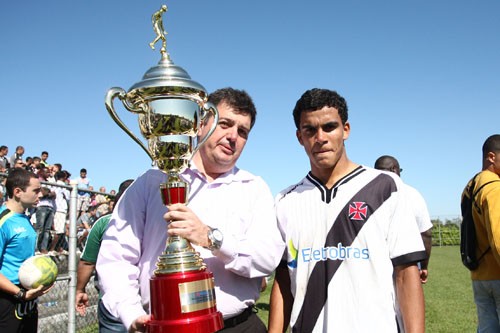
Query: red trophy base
x: 184, y: 302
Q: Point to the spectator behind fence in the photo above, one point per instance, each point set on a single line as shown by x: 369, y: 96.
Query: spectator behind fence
x: 62, y: 201
x: 3, y: 193
x: 35, y: 166
x: 18, y: 307
x: 86, y: 267
x: 486, y: 216
x: 84, y: 224
x: 18, y: 154
x: 43, y: 158
x: 4, y: 161
x: 45, y: 214
x: 419, y: 207
x: 83, y: 196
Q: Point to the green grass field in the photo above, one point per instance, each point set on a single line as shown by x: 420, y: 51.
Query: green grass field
x: 449, y: 303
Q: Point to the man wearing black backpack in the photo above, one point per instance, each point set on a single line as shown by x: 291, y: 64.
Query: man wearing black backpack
x: 486, y: 217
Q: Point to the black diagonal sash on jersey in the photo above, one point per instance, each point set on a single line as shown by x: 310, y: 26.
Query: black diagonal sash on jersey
x: 344, y: 231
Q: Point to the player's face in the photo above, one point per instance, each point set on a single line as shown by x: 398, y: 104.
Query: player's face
x: 31, y: 196
x: 322, y: 135
x: 223, y: 148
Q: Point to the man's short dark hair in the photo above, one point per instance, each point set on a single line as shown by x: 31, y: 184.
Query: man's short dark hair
x: 3, y: 147
x: 239, y: 100
x: 60, y: 175
x: 316, y: 99
x: 491, y: 145
x: 386, y: 162
x: 18, y: 178
x: 45, y: 153
x: 123, y: 186
x: 83, y: 170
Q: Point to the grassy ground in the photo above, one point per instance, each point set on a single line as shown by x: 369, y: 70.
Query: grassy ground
x: 449, y: 303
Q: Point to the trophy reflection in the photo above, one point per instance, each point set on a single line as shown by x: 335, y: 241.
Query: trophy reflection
x: 171, y: 108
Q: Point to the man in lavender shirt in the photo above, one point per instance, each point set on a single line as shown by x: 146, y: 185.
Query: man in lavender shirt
x: 229, y: 219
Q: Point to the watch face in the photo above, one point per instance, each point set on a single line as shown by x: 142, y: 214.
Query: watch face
x: 217, y: 235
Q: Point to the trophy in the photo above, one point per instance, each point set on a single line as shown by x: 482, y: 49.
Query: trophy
x: 170, y: 108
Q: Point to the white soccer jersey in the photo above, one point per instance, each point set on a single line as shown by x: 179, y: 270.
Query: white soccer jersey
x: 342, y: 246
x: 419, y: 208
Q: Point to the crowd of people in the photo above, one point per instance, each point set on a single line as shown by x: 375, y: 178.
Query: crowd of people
x: 51, y: 215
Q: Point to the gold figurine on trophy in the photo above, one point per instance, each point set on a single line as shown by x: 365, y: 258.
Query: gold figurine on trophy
x: 159, y: 30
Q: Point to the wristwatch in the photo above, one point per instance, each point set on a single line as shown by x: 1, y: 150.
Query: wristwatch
x: 215, y: 238
x: 20, y: 295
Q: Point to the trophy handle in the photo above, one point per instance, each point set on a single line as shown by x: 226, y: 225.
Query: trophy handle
x: 208, y: 108
x: 122, y: 95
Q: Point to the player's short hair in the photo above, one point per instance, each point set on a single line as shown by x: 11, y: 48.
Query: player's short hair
x: 316, y: 99
x: 18, y: 178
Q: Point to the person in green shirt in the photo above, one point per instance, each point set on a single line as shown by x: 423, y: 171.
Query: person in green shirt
x: 87, y: 263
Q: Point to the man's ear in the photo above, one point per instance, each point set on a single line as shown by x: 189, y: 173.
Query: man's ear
x: 347, y: 130
x: 299, y: 137
x: 17, y: 192
x: 491, y: 157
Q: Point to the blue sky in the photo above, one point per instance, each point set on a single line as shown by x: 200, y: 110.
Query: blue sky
x: 421, y: 80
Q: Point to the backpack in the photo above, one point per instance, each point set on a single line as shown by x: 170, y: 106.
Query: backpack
x: 468, y: 241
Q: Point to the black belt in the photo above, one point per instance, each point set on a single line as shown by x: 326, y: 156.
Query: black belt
x: 238, y: 319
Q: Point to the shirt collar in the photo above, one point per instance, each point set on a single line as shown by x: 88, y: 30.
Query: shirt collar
x: 233, y: 175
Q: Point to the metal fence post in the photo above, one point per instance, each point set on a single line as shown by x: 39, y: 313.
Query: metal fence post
x: 72, y: 258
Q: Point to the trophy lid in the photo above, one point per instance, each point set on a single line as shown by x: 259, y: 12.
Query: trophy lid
x: 167, y: 78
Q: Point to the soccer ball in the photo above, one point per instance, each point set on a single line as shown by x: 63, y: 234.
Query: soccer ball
x: 36, y: 271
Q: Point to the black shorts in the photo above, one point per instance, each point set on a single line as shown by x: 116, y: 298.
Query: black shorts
x: 16, y: 316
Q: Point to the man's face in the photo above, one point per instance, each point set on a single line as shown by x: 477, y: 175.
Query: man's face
x: 4, y: 152
x: 83, y: 174
x: 31, y: 196
x: 322, y: 135
x: 223, y: 148
x: 44, y: 157
x: 43, y: 173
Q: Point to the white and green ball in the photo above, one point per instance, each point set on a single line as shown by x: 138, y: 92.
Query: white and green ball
x: 38, y: 270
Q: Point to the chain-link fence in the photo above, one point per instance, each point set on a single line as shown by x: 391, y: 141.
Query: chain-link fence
x: 446, y: 230
x: 53, y: 309
x: 57, y: 311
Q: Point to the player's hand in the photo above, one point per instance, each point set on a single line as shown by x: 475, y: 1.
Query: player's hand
x: 139, y: 325
x: 183, y: 222
x: 82, y: 302
x: 36, y: 292
x: 424, y: 274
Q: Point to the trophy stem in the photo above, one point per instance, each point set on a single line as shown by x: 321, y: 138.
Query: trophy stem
x: 179, y: 255
x: 182, y: 288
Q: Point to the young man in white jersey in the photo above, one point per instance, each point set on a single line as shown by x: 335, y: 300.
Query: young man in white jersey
x: 348, y: 231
